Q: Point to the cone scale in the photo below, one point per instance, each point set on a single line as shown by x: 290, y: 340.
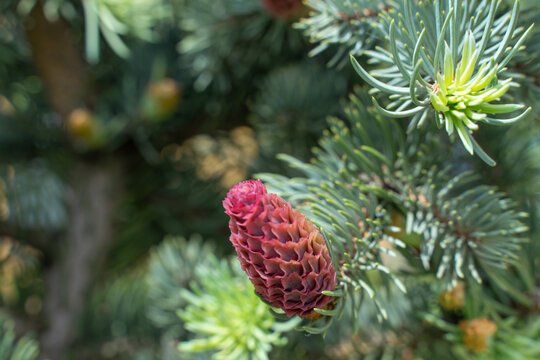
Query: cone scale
x: 284, y: 255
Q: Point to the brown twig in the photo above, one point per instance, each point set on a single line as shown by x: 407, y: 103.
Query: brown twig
x: 357, y: 15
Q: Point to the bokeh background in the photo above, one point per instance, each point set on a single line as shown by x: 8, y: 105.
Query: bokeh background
x: 122, y: 126
x: 123, y: 123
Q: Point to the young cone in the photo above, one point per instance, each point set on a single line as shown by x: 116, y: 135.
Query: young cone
x: 284, y: 255
x: 284, y: 9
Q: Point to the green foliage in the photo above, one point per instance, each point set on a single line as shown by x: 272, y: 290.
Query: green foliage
x: 470, y: 225
x: 339, y: 199
x: 520, y: 174
x: 115, y: 18
x: 225, y: 40
x: 291, y: 102
x: 136, y: 312
x: 16, y: 260
x: 403, y: 335
x: 110, y: 19
x: 228, y: 316
x: 513, y: 339
x: 170, y: 268
x: 345, y: 27
x: 169, y: 199
x: 11, y: 348
x: 52, y: 9
x: 35, y: 196
x: 399, y: 208
x: 426, y: 81
x: 525, y: 66
x: 353, y: 180
x: 115, y: 315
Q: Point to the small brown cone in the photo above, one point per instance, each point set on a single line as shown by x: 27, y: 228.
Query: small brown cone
x: 453, y: 299
x: 475, y: 333
x: 80, y: 125
x: 162, y: 99
x: 285, y: 9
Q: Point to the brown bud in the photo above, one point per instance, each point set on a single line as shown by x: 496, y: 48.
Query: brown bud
x: 397, y: 220
x: 80, y: 124
x: 162, y: 98
x: 475, y: 333
x: 284, y: 9
x: 453, y: 299
x: 6, y: 108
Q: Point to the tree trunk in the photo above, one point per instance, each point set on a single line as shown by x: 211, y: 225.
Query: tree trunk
x: 93, y: 195
x: 94, y: 189
x: 58, y: 61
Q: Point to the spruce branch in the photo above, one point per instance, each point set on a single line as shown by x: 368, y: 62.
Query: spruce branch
x: 479, y: 337
x: 110, y: 20
x: 463, y: 225
x: 25, y: 348
x: 16, y: 259
x: 347, y: 24
x: 220, y: 34
x: 447, y: 64
x: 466, y: 230
x: 33, y: 197
x: 291, y: 101
x: 171, y: 267
x: 116, y: 307
x: 525, y: 66
x: 339, y: 194
x: 228, y: 317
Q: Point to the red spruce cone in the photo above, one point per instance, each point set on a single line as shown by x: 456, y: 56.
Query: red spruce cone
x: 284, y: 9
x: 283, y: 253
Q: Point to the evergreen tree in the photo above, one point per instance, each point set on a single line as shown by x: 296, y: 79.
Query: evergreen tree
x: 397, y: 147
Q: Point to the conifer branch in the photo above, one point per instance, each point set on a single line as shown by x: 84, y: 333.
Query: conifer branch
x: 465, y: 230
x: 346, y: 25
x: 448, y: 66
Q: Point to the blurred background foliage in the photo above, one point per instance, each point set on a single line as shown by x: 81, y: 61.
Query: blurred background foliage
x: 124, y: 123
